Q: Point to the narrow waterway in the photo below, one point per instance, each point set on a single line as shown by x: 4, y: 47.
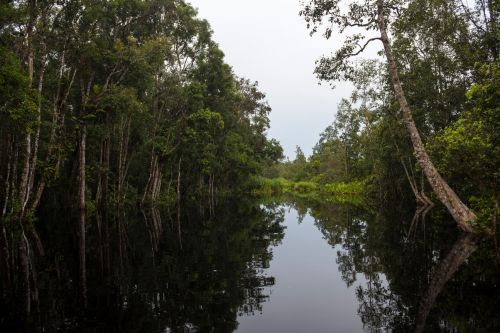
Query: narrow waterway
x: 309, y: 294
x: 284, y: 266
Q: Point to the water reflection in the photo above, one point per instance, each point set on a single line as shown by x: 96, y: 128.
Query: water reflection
x: 140, y: 279
x: 461, y: 250
x: 403, y: 272
x: 414, y: 275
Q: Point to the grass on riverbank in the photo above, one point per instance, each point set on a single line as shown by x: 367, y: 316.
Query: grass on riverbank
x: 339, y: 192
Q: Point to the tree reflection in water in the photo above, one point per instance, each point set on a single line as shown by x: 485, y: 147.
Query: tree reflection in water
x: 142, y: 280
x: 461, y: 250
x: 418, y: 272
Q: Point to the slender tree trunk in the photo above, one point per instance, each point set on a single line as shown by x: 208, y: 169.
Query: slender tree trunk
x: 57, y: 127
x: 5, y: 263
x: 346, y: 163
x: 460, y: 212
x: 179, y: 202
x: 100, y: 200
x: 23, y: 186
x: 36, y: 142
x: 413, y: 184
x: 82, y: 188
x: 9, y: 157
x: 123, y: 156
x: 105, y: 199
x: 34, y: 155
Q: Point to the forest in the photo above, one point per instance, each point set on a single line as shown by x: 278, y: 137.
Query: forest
x: 445, y: 56
x: 108, y: 105
x: 115, y: 114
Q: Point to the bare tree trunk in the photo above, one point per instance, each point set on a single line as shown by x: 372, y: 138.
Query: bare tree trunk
x: 36, y: 143
x: 460, y: 212
x: 23, y: 186
x: 179, y: 202
x: 123, y: 155
x: 9, y: 153
x: 413, y: 184
x: 149, y: 184
x: 153, y: 186
x: 104, y: 206
x: 34, y: 155
x: 101, y: 197
x: 57, y: 126
x: 82, y: 187
x: 6, y: 282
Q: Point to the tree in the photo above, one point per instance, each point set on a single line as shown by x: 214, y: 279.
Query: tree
x: 109, y: 105
x: 373, y: 15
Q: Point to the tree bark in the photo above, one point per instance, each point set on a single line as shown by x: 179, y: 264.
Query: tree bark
x: 123, y: 164
x: 460, y: 212
x: 7, y: 184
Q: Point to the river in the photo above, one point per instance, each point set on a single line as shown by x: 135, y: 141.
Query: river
x: 279, y: 266
x: 309, y: 294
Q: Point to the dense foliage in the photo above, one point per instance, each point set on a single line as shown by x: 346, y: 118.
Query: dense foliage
x: 107, y: 104
x: 447, y: 57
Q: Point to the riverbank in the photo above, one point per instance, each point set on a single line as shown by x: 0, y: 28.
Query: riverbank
x: 335, y: 192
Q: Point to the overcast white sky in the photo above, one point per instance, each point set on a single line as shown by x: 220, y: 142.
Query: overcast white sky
x: 267, y: 41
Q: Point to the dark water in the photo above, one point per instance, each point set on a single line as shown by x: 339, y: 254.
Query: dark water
x: 276, y: 267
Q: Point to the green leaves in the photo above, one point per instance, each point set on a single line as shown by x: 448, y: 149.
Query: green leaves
x: 18, y: 102
x: 468, y: 151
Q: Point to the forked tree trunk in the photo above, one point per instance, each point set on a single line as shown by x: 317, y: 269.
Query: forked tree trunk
x: 460, y: 212
x: 57, y: 127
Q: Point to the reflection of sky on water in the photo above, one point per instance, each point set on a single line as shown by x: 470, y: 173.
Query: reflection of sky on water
x: 309, y: 294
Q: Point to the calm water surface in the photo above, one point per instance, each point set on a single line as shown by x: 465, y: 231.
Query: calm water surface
x: 309, y: 294
x: 288, y: 266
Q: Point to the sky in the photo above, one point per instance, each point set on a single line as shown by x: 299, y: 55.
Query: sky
x: 267, y: 41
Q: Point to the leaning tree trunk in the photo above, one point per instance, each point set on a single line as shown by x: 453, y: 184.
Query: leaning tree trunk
x: 460, y: 212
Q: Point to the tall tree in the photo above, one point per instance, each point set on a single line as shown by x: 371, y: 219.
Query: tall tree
x: 372, y: 15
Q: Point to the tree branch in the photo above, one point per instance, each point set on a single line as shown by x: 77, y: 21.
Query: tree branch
x: 362, y: 48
